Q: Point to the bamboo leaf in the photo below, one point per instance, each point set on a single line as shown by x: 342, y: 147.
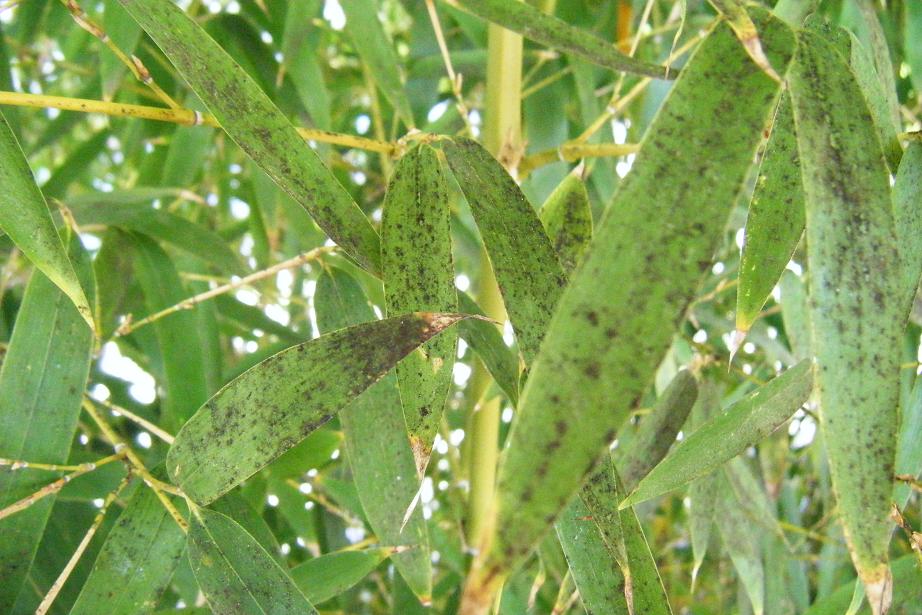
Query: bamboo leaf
x: 419, y: 275
x: 605, y: 340
x: 24, y: 216
x: 527, y: 270
x: 854, y: 302
x: 702, y: 492
x: 377, y: 53
x: 136, y: 561
x: 325, y: 577
x: 735, y: 13
x: 42, y: 380
x: 487, y: 342
x: 567, y: 219
x: 742, y: 545
x: 235, y: 573
x: 658, y: 430
x: 274, y: 405
x: 776, y: 219
x: 907, y: 591
x: 546, y: 29
x: 253, y: 121
x: 907, y: 194
x: 377, y: 446
x: 728, y: 434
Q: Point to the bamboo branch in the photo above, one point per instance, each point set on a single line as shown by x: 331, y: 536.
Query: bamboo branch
x: 191, y: 302
x: 131, y: 416
x: 186, y: 117
x: 81, y: 548
x: 57, y: 485
x: 572, y: 151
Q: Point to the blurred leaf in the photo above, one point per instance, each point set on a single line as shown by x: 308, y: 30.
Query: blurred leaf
x: 419, y: 275
x: 24, y: 216
x: 42, y: 381
x: 327, y: 576
x: 728, y: 434
x: 855, y: 316
x: 907, y: 194
x: 235, y: 573
x: 742, y: 545
x: 125, y: 33
x: 548, y: 30
x: 257, y: 126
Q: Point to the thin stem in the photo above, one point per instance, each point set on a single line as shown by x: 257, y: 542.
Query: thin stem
x: 57, y: 485
x: 571, y: 152
x: 137, y: 465
x: 141, y: 421
x: 187, y: 117
x: 454, y: 78
x: 15, y: 464
x: 191, y: 302
x: 133, y: 63
x: 78, y: 553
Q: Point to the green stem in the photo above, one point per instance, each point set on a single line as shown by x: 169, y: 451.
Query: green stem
x: 502, y: 136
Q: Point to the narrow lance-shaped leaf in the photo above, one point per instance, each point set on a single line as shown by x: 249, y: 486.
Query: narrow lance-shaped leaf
x: 419, y: 275
x: 274, y: 405
x: 24, y: 216
x: 742, y: 545
x: 377, y: 53
x: 879, y: 103
x: 377, y: 446
x: 546, y: 29
x: 616, y: 320
x: 729, y: 433
x: 42, y: 381
x: 527, y: 270
x: 702, y: 492
x: 855, y: 296
x: 567, y: 219
x: 253, y: 121
x: 658, y: 430
x: 235, y: 573
x: 735, y: 13
x: 137, y: 560
x: 776, y: 219
x: 483, y: 336
x: 907, y: 195
x: 329, y: 575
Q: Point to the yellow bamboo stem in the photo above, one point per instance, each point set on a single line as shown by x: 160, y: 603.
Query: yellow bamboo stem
x: 187, y: 117
x: 138, y: 420
x: 571, y: 152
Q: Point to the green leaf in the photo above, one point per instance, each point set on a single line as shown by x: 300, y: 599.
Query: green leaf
x: 235, y: 573
x: 907, y: 591
x: 136, y: 561
x: 702, y: 492
x: 658, y: 430
x: 879, y: 103
x: 742, y: 545
x: 907, y: 194
x: 42, y: 381
x: 419, y: 276
x: 527, y: 270
x: 253, y: 121
x: 598, y: 577
x: 909, y: 445
x: 325, y: 577
x: 728, y: 434
x: 567, y: 219
x: 377, y: 446
x: 546, y: 29
x: 300, y: 41
x: 606, y: 339
x: 24, y: 216
x: 776, y: 219
x: 276, y: 404
x: 377, y: 53
x: 486, y: 340
x: 854, y: 302
x: 126, y: 34
x: 165, y: 227
x: 183, y: 371
x: 734, y: 11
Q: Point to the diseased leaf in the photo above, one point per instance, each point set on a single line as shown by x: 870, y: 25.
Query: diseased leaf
x: 137, y: 560
x: 419, y: 275
x: 776, y: 218
x: 735, y: 13
x: 24, y: 216
x: 253, y: 121
x: 329, y: 575
x: 546, y: 29
x: 42, y: 380
x: 271, y: 407
x: 487, y: 342
x: 235, y: 573
x: 377, y: 53
x: 567, y: 219
x: 855, y: 295
x: 728, y: 434
x: 527, y: 270
x: 907, y: 591
x: 616, y: 319
x: 377, y: 447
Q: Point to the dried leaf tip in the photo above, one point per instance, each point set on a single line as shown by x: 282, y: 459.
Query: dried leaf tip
x: 880, y: 593
x: 736, y: 340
